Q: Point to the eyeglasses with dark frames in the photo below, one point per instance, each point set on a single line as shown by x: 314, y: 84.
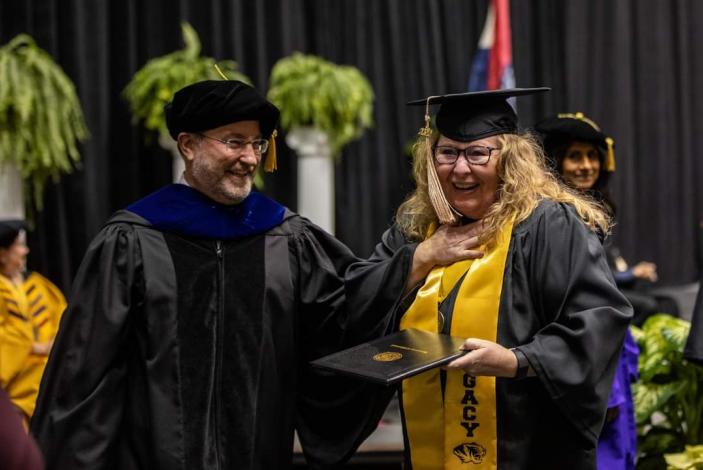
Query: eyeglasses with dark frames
x: 474, y: 154
x: 260, y: 146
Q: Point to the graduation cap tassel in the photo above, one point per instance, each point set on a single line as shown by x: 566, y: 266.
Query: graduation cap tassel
x: 444, y: 211
x: 434, y: 188
x: 219, y: 70
x: 610, y: 157
x: 271, y: 164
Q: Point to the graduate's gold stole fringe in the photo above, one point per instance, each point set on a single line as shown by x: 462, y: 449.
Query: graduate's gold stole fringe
x: 460, y: 429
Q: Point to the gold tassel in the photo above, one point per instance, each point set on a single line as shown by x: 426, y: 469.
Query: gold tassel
x: 271, y: 164
x: 445, y: 212
x: 610, y: 157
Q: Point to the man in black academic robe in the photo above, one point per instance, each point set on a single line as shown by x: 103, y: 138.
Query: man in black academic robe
x: 194, y: 314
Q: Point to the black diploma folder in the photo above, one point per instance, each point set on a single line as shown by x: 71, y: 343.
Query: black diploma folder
x: 392, y: 358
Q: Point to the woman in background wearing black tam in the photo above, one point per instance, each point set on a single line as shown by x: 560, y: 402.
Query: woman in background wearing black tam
x: 532, y: 391
x: 583, y: 157
x: 30, y: 310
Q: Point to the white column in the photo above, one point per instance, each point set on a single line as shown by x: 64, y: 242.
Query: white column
x: 11, y: 194
x: 178, y: 166
x: 315, y: 175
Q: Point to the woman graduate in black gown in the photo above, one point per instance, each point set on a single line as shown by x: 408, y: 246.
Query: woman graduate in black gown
x: 583, y: 157
x: 543, y: 317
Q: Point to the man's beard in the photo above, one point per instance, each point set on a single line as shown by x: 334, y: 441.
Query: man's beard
x: 218, y: 188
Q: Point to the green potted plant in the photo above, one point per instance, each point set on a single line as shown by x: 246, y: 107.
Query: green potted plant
x: 156, y: 82
x: 41, y: 122
x: 312, y: 92
x: 669, y: 393
x: 690, y: 459
x: 323, y: 107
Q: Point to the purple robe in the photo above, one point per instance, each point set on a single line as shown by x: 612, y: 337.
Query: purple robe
x: 617, y: 445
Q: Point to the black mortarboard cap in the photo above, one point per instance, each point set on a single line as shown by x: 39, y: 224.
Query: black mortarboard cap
x: 213, y: 103
x: 474, y: 115
x: 564, y: 128
x: 9, y: 229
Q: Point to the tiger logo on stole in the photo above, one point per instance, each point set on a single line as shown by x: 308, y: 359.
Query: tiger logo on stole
x: 470, y: 452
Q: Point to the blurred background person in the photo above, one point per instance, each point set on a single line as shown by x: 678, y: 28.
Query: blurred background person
x: 30, y: 310
x: 582, y: 155
x: 18, y: 451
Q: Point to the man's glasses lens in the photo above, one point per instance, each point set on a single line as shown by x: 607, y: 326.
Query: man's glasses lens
x: 259, y: 145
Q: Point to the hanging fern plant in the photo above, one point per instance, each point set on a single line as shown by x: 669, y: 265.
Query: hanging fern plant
x: 155, y: 84
x: 311, y: 91
x: 41, y: 120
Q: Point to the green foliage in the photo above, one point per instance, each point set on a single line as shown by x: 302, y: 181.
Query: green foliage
x: 41, y: 120
x: 311, y: 91
x: 155, y: 84
x: 668, y: 398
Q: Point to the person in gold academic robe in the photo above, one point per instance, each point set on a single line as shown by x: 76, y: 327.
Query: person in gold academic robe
x: 543, y: 318
x: 30, y: 310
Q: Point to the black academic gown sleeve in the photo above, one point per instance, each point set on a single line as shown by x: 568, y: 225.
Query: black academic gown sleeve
x: 584, y: 315
x: 80, y: 406
x: 373, y: 285
x: 335, y: 413
x: 321, y: 262
x: 338, y: 413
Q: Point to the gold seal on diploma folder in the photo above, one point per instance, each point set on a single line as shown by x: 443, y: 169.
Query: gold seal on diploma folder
x: 387, y: 356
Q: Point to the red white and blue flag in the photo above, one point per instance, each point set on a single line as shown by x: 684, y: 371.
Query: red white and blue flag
x: 492, y: 68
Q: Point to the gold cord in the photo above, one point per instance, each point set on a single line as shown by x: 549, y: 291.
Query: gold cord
x: 219, y: 70
x: 271, y: 163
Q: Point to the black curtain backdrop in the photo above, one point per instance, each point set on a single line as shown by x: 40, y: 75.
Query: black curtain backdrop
x: 634, y: 66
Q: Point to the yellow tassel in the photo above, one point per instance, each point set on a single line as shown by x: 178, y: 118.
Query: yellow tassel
x: 610, y: 157
x: 271, y: 163
x: 445, y: 212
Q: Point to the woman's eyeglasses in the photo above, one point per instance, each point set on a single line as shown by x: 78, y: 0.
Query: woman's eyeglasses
x: 474, y: 154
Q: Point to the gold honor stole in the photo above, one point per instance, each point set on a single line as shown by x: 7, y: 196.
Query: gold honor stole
x: 459, y: 428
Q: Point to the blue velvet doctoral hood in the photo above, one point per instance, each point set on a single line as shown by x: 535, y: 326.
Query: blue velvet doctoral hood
x: 180, y: 209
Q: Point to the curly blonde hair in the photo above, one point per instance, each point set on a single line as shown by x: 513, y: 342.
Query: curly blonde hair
x: 524, y: 181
